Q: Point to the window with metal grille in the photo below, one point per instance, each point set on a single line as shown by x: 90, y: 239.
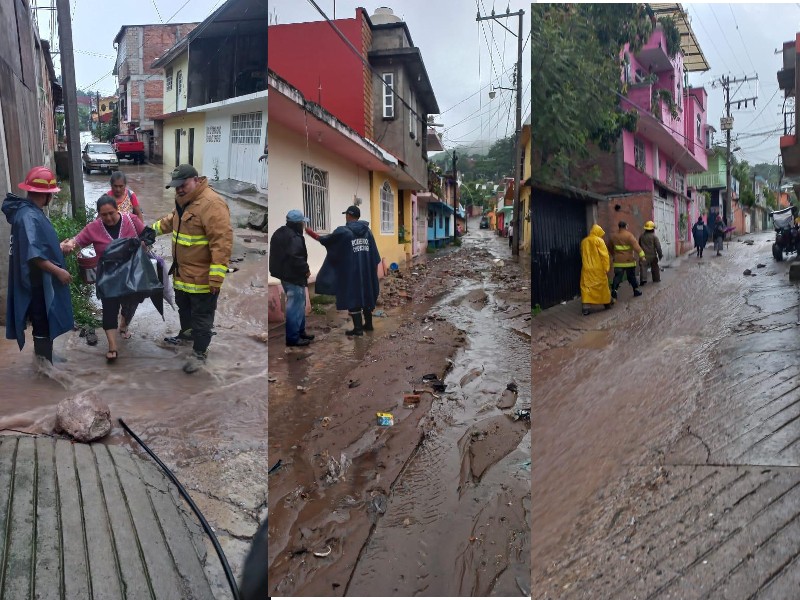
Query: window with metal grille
x: 388, y: 96
x: 246, y: 128
x: 169, y: 79
x: 178, y: 89
x: 387, y: 208
x: 315, y: 197
x: 638, y: 154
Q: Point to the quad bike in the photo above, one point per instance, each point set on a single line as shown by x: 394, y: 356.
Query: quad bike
x: 787, y: 236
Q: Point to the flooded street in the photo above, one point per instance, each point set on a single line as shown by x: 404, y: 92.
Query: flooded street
x: 442, y: 499
x: 666, y: 436
x: 208, y: 427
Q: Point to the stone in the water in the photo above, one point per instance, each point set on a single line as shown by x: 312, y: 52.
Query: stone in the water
x: 84, y: 417
x: 507, y: 399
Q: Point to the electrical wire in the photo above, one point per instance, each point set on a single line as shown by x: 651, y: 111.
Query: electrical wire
x: 744, y: 45
x: 225, y: 566
x: 711, y: 39
x: 725, y: 37
x: 762, y: 110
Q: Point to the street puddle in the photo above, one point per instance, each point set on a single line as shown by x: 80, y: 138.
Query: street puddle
x: 457, y: 517
x: 594, y: 340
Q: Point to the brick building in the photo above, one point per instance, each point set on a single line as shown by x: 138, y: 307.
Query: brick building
x: 141, y: 88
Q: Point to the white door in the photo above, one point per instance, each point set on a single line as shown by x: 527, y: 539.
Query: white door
x: 747, y: 223
x: 246, y: 148
x: 664, y: 213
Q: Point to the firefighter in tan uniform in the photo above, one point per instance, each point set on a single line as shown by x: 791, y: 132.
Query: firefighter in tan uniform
x: 202, y: 240
x: 625, y: 254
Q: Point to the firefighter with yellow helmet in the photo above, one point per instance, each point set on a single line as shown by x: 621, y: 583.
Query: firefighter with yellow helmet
x: 652, y: 254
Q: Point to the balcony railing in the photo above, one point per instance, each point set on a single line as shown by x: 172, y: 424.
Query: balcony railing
x: 711, y: 181
x: 788, y: 123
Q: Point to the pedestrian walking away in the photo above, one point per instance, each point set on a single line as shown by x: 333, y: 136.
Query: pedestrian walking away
x: 719, y: 234
x: 127, y: 202
x: 511, y: 234
x: 38, y: 282
x: 110, y: 224
x: 288, y: 261
x: 700, y: 236
x: 350, y: 269
x: 202, y: 240
x: 624, y: 250
x: 651, y: 246
x: 595, y: 264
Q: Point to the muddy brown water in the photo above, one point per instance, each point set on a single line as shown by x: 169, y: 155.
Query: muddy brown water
x: 615, y: 397
x: 209, y: 427
x: 456, y: 519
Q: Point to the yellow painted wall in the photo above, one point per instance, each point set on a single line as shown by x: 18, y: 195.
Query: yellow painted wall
x: 184, y: 122
x: 181, y: 63
x: 390, y: 248
x: 525, y: 191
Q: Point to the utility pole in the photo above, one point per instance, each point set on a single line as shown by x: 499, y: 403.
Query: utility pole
x: 70, y: 87
x: 517, y: 148
x: 727, y: 125
x: 455, y: 194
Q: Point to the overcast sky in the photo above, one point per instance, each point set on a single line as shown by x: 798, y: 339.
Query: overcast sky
x: 464, y: 58
x: 96, y: 22
x: 454, y: 49
x: 739, y: 40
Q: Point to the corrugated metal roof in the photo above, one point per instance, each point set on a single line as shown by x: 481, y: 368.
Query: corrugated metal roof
x: 693, y: 57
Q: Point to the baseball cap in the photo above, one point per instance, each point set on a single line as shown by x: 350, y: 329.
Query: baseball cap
x: 296, y: 216
x: 353, y: 211
x: 181, y: 174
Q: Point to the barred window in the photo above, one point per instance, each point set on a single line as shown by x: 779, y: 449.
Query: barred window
x: 638, y: 155
x: 315, y: 197
x: 213, y: 133
x: 387, y: 208
x: 169, y: 79
x: 246, y: 128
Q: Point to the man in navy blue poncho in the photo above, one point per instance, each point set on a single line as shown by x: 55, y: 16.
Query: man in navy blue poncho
x: 38, y: 282
x: 350, y: 270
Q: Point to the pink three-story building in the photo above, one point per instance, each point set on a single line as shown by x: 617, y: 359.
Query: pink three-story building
x: 652, y: 163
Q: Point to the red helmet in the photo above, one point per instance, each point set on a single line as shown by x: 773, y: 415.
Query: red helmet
x: 40, y: 179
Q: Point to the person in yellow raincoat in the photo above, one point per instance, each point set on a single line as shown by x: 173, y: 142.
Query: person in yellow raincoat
x: 594, y: 271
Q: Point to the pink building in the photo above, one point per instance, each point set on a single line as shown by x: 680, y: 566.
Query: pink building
x: 669, y: 143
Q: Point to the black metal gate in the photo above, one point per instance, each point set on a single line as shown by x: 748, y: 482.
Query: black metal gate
x: 559, y: 225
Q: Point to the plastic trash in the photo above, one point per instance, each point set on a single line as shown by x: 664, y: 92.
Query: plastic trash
x: 385, y: 419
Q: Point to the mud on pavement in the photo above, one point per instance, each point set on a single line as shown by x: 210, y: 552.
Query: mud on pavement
x: 671, y: 472
x: 438, y: 503
x: 209, y: 428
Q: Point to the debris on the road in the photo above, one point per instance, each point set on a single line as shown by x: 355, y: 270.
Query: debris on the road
x: 275, y: 467
x: 256, y: 284
x: 760, y: 266
x: 271, y: 379
x: 353, y: 383
x: 257, y: 220
x: 385, y: 419
x: 260, y: 337
x: 508, y: 398
x: 325, y: 421
x: 471, y: 376
x: 411, y: 400
x: 324, y: 553
x: 337, y: 469
x: 747, y: 272
x: 379, y: 503
x: 523, y: 414
x: 379, y: 313
x: 302, y: 389
x: 84, y: 417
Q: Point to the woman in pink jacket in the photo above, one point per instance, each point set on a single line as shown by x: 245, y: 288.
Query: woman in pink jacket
x: 110, y: 225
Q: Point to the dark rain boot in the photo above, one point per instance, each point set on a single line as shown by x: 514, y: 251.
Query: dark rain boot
x: 368, y: 320
x: 43, y: 347
x: 358, y: 328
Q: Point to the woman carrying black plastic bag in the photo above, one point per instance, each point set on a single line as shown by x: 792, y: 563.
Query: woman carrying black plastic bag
x: 110, y: 225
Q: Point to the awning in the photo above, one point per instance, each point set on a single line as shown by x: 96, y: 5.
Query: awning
x: 506, y: 210
x: 693, y: 57
x: 447, y: 208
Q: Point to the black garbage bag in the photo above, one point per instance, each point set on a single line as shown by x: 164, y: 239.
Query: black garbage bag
x: 148, y: 235
x: 125, y: 270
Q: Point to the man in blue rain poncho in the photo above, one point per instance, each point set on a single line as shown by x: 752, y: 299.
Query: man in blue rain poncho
x: 350, y: 270
x: 38, y: 283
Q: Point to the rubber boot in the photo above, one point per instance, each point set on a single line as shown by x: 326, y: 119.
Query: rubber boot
x: 368, y: 320
x: 43, y: 347
x: 358, y: 328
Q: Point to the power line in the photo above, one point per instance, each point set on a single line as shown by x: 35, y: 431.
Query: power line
x: 735, y: 22
x: 762, y: 110
x: 158, y: 12
x: 711, y: 39
x: 725, y: 37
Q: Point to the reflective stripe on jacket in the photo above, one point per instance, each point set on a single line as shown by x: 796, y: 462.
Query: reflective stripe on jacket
x: 202, y: 239
x: 621, y: 247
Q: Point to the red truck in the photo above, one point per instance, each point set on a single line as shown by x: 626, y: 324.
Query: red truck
x: 127, y: 146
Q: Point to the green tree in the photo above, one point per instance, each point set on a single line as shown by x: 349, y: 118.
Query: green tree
x: 576, y: 81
